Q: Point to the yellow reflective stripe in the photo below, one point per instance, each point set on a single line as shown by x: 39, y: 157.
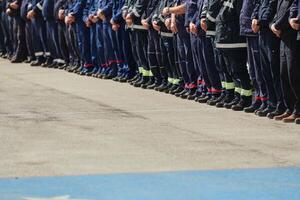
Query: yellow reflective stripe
x: 141, y: 69
x: 176, y: 81
x: 229, y: 86
x: 147, y: 73
x: 150, y: 74
x: 223, y: 84
x: 238, y: 90
x: 170, y: 80
x: 246, y: 93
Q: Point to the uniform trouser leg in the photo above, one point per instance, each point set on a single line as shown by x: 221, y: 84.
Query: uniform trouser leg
x: 62, y: 41
x: 181, y: 59
x: 83, y: 37
x: 236, y: 62
x: 93, y: 39
x: 189, y: 60
x: 255, y: 68
x: 118, y: 55
x: 290, y: 72
x: 100, y: 46
x: 20, y: 49
x: 50, y: 39
x: 141, y: 44
x: 126, y: 48
x: 7, y: 39
x: 29, y: 39
x: 154, y: 62
x: 42, y: 31
x: 210, y: 64
x: 10, y: 23
x: 195, y: 53
x: 72, y: 43
x: 37, y: 44
x: 110, y: 53
x: 204, y: 81
x: 176, y: 58
x: 2, y: 45
x: 168, y: 56
x: 269, y: 51
x: 132, y: 37
x: 53, y: 33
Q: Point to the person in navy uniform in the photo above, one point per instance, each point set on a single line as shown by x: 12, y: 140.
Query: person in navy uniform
x: 26, y: 4
x: 20, y: 50
x: 269, y: 44
x: 52, y: 33
x: 295, y: 24
x: 74, y: 16
x: 209, y: 78
x: 127, y: 62
x: 133, y: 19
x: 260, y: 90
x: 209, y: 13
x: 289, y: 61
x: 167, y: 49
x: 42, y: 52
x: 184, y: 48
x: 59, y: 7
x: 104, y: 13
x: 7, y: 52
x: 233, y: 49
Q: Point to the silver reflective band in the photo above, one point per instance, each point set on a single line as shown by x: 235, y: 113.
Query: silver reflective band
x: 210, y: 18
x: 228, y: 4
x: 47, y: 54
x: 231, y: 46
x: 39, y: 6
x: 166, y: 34
x: 211, y: 33
x: 39, y: 53
x: 139, y: 27
x: 136, y: 13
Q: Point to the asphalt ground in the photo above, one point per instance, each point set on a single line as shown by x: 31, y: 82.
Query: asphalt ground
x: 58, y: 124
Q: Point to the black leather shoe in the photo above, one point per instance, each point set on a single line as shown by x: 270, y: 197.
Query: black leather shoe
x: 36, y: 63
x: 254, y: 106
x: 143, y: 80
x: 297, y: 121
x: 244, y: 102
x: 227, y: 99
x: 275, y: 113
x: 154, y: 85
x: 265, y: 112
x: 204, y: 99
x: 150, y: 82
x: 176, y: 90
x: 215, y: 99
x: 181, y: 93
x: 235, y: 101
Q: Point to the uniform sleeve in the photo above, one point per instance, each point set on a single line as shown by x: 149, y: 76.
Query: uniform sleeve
x: 117, y: 18
x: 213, y: 10
x: 269, y: 14
x: 204, y: 9
x: 256, y: 9
x: 57, y: 6
x: 294, y: 9
x: 282, y: 22
x: 139, y: 8
x: 107, y: 9
x: 77, y: 10
x: 38, y: 6
x: 86, y: 9
x: 191, y: 9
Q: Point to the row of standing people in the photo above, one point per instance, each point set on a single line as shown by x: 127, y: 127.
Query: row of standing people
x: 237, y: 54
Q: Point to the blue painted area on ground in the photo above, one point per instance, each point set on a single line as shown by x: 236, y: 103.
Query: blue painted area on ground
x: 243, y: 184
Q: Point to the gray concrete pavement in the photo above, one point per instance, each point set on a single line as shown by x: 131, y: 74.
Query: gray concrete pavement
x: 56, y: 123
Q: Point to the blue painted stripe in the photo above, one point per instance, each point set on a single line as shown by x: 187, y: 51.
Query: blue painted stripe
x: 244, y: 184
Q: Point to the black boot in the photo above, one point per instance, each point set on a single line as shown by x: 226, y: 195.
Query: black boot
x: 244, y: 102
x: 254, y: 106
x: 235, y: 101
